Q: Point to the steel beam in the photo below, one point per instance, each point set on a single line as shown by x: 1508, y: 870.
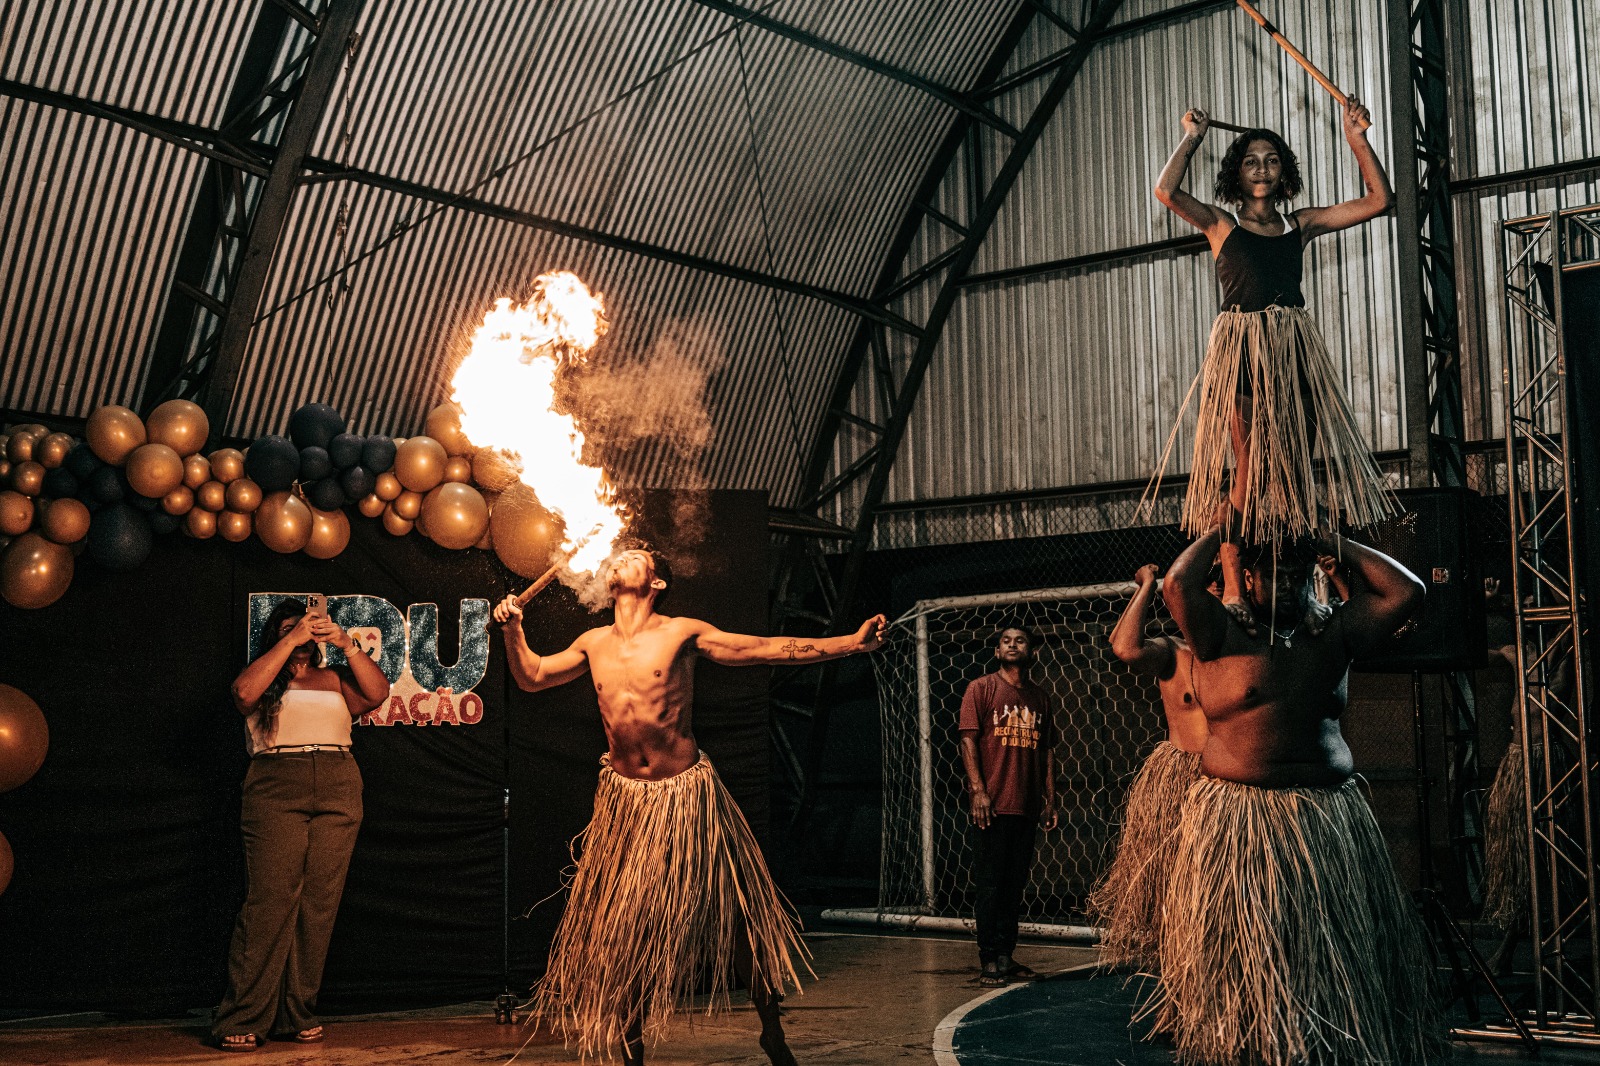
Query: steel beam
x: 944, y: 94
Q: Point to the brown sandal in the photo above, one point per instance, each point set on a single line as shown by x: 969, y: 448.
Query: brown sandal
x: 239, y: 1042
x: 312, y: 1035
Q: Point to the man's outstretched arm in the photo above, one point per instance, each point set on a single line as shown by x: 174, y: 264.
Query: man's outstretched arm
x: 530, y: 670
x: 1383, y: 595
x: 1200, y: 615
x: 739, y: 649
x: 1153, y: 657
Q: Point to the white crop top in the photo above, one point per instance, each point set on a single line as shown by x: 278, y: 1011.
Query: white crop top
x: 305, y: 716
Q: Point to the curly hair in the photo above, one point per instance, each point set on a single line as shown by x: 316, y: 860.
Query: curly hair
x: 267, y: 705
x: 1229, y: 190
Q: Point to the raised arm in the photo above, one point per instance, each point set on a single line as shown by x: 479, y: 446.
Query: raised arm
x: 364, y: 686
x: 255, y: 677
x: 1200, y: 616
x: 530, y: 670
x: 1379, y: 198
x: 739, y: 649
x: 1169, y: 185
x: 1153, y: 657
x: 1383, y: 595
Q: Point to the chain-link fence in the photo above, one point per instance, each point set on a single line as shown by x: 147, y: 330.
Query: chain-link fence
x: 1106, y: 716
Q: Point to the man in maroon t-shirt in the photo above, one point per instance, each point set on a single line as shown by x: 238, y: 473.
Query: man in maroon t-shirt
x: 1008, y: 746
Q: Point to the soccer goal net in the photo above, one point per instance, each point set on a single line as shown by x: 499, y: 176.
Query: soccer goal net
x: 1107, y: 719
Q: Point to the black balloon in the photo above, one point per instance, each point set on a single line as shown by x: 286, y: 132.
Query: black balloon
x: 104, y: 485
x: 119, y: 537
x: 147, y: 504
x: 325, y: 495
x: 162, y: 523
x: 273, y: 462
x: 82, y: 461
x: 358, y: 481
x: 377, y: 454
x: 314, y: 464
x: 314, y: 425
x: 345, y: 450
x: 60, y: 483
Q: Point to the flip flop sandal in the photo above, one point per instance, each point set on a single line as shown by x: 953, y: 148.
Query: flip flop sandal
x: 313, y: 1035
x: 1018, y: 972
x: 991, y: 977
x: 239, y: 1042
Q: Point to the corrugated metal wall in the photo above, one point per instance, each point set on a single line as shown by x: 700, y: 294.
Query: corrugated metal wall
x: 628, y: 116
x: 1073, y: 379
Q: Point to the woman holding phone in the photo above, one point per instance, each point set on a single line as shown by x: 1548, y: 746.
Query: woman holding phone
x: 301, y: 812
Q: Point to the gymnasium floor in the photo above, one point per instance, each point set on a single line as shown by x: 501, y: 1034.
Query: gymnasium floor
x: 881, y: 998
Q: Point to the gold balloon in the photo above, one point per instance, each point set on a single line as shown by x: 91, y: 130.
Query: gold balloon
x: 196, y: 471
x: 200, y: 523
x: 395, y: 524
x: 27, y: 477
x: 493, y: 470
x: 8, y: 863
x: 179, y: 502
x: 234, y: 526
x: 154, y: 470
x: 16, y: 513
x: 419, y: 463
x: 20, y: 446
x: 407, y: 505
x: 420, y: 524
x: 486, y: 541
x: 371, y: 505
x: 180, y: 425
x: 525, y: 535
x: 444, y: 426
x: 283, y: 522
x: 243, y: 495
x: 227, y: 464
x: 34, y: 572
x: 24, y: 737
x: 65, y: 522
x: 330, y: 533
x: 51, y: 451
x: 458, y: 469
x: 388, y: 487
x: 5, y: 470
x: 113, y: 433
x: 213, y: 496
x: 456, y: 515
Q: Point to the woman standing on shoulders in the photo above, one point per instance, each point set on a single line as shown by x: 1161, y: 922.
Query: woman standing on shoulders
x: 1270, y: 396
x: 301, y: 813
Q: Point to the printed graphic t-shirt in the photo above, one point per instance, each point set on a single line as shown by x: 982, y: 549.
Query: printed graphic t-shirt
x: 1014, y: 730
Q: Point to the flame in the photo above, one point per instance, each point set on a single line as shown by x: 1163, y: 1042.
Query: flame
x: 505, y: 388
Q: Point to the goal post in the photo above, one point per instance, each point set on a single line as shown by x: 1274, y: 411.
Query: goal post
x: 1107, y: 718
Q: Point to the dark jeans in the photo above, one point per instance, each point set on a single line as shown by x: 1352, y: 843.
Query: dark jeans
x: 1005, y: 852
x: 301, y: 815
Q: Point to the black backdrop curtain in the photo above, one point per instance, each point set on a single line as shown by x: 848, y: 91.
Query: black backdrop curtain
x: 129, y: 869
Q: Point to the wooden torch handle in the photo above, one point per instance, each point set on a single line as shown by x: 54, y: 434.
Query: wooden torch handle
x: 1294, y: 53
x: 538, y: 586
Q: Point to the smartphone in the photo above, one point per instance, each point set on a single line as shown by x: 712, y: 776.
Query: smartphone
x: 317, y: 604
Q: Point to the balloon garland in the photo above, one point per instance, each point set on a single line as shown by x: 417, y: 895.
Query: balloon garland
x: 132, y: 479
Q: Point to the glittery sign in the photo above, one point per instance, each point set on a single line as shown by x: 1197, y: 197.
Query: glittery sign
x: 422, y: 690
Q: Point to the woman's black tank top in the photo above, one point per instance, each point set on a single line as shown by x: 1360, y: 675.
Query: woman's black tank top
x: 1257, y: 272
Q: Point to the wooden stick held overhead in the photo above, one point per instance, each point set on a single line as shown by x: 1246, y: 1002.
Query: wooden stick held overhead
x: 538, y: 586
x: 1295, y: 53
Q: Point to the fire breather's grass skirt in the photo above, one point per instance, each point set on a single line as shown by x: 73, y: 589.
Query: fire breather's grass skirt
x: 669, y: 881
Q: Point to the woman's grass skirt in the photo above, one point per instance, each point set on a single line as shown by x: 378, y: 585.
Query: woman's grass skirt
x: 1287, y: 940
x: 1127, y: 902
x: 669, y: 881
x: 1299, y: 417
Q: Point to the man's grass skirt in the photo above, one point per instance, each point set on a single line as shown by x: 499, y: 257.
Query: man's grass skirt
x: 1127, y: 902
x: 1505, y: 845
x: 669, y: 881
x: 1287, y: 939
x: 1299, y: 415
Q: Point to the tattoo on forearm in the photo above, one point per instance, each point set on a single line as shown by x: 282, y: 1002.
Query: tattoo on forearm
x: 795, y: 649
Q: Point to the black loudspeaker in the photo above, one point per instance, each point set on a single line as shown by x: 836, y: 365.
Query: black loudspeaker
x: 1432, y: 538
